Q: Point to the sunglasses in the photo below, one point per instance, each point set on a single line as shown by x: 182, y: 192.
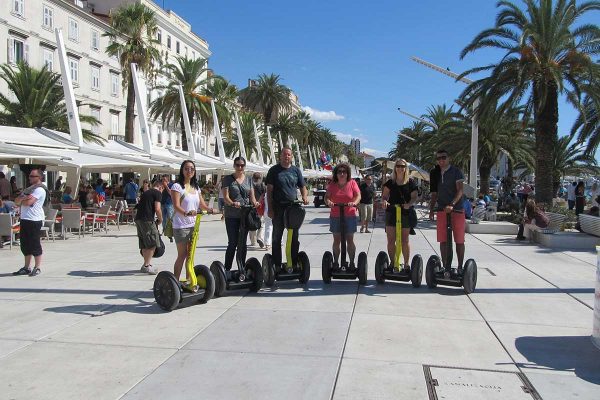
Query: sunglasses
x: 340, y: 172
x: 441, y: 157
x: 240, y: 165
x: 34, y: 176
x: 400, y: 166
x: 189, y: 169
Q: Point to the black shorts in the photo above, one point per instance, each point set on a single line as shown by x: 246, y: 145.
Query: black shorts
x: 409, y: 217
x: 30, y: 234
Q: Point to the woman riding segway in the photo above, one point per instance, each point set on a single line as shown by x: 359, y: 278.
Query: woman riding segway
x: 238, y: 194
x: 343, y: 196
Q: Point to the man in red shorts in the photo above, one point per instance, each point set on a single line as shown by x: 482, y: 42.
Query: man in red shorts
x: 449, y: 195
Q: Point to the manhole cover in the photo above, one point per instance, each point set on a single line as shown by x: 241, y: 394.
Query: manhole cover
x: 465, y: 384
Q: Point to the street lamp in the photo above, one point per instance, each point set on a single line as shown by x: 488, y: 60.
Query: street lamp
x: 433, y: 125
x: 474, y: 123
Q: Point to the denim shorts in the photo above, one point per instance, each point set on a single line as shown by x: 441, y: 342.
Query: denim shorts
x: 182, y: 235
x: 334, y: 224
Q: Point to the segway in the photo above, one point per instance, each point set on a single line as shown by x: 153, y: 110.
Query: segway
x: 249, y: 274
x: 435, y: 274
x: 395, y: 271
x: 293, y: 218
x: 343, y: 270
x: 169, y: 292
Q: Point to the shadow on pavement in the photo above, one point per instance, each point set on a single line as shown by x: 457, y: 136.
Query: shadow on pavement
x: 103, y: 274
x: 561, y: 353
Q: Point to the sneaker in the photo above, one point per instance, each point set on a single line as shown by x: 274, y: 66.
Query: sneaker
x: 367, y: 230
x: 352, y: 266
x: 267, y: 248
x: 35, y: 271
x: 22, y: 271
x: 520, y: 238
x: 260, y: 243
x: 362, y: 229
x: 144, y: 269
x: 336, y: 265
x: 151, y: 270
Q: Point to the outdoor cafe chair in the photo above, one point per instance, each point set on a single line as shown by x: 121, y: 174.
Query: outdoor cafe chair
x: 97, y: 219
x: 8, y: 228
x: 115, y: 216
x: 71, y: 219
x: 48, y: 226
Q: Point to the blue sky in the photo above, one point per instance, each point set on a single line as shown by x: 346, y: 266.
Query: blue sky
x: 350, y: 60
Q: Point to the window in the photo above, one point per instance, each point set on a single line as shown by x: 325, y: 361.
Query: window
x: 48, y: 18
x: 78, y: 3
x: 193, y: 55
x: 48, y: 57
x: 73, y: 30
x: 114, y: 84
x: 74, y: 68
x: 159, y: 36
x: 114, y: 123
x: 17, y: 7
x: 95, y: 112
x: 177, y: 47
x: 95, y: 77
x: 168, y: 41
x: 18, y: 50
x: 95, y: 40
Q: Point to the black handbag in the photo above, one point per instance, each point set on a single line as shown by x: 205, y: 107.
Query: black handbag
x: 253, y: 220
x: 160, y: 250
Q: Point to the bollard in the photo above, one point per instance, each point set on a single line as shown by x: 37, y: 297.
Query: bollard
x: 596, y: 331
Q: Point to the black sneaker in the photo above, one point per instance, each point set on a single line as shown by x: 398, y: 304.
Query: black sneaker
x: 352, y: 266
x: 260, y: 243
x: 35, y: 271
x: 22, y: 271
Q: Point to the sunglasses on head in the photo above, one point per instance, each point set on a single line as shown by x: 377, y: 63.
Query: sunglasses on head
x: 441, y: 157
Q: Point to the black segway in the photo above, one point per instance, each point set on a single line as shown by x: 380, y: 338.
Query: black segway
x: 435, y: 274
x: 169, y: 292
x: 293, y: 218
x: 249, y: 274
x: 395, y: 271
x: 343, y: 270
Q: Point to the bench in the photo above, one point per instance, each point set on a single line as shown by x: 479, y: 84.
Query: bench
x: 554, y: 225
x: 589, y: 224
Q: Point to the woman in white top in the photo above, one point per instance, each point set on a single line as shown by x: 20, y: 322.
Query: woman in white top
x: 187, y: 200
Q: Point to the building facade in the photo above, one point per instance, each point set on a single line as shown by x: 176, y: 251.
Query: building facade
x: 27, y: 28
x: 355, y: 144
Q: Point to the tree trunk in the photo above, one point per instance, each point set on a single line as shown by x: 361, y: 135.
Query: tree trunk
x: 546, y: 127
x: 184, y: 145
x: 508, y: 180
x: 130, y: 111
x: 484, y: 176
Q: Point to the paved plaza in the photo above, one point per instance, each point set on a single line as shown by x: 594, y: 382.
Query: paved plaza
x: 88, y: 328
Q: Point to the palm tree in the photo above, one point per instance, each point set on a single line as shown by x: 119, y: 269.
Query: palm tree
x: 588, y: 124
x: 137, y: 24
x: 232, y: 147
x: 411, y: 150
x: 287, y: 126
x: 225, y: 95
x: 191, y: 75
x: 268, y: 97
x: 546, y: 55
x: 39, y: 101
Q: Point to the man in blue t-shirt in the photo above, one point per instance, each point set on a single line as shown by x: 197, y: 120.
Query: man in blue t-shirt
x: 283, y: 181
x: 131, y: 191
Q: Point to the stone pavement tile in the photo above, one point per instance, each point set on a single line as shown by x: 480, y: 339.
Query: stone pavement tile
x: 208, y: 375
x: 93, y: 290
x: 561, y: 387
x: 461, y: 343
x: 33, y: 320
x: 316, y: 296
x: 10, y: 346
x: 533, y: 309
x: 275, y: 332
x: 401, y: 299
x: 544, y: 349
x: 21, y: 287
x: 370, y: 379
x: 141, y: 326
x: 65, y: 371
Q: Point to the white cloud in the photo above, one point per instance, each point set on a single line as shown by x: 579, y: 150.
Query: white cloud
x: 375, y: 153
x: 344, y: 137
x: 322, y: 115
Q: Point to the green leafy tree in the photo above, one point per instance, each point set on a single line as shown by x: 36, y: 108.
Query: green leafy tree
x: 545, y: 55
x: 38, y: 101
x: 268, y: 97
x: 132, y: 35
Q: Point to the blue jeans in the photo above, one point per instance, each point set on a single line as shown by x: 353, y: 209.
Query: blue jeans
x: 167, y: 212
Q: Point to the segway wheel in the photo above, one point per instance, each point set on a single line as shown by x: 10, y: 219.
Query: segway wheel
x: 432, y: 265
x: 416, y: 271
x: 381, y: 264
x: 326, y: 267
x: 167, y: 292
x: 305, y: 267
x: 470, y: 276
x: 256, y: 271
x: 362, y: 268
x: 218, y: 272
x: 206, y: 281
x: 268, y: 270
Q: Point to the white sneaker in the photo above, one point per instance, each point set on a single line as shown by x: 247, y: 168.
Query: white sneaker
x: 152, y: 270
x: 144, y: 269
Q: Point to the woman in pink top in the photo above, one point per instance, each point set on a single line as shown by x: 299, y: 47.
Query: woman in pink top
x: 342, y: 190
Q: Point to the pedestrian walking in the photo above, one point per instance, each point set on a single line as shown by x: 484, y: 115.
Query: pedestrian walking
x: 260, y: 191
x: 367, y: 194
x: 147, y: 219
